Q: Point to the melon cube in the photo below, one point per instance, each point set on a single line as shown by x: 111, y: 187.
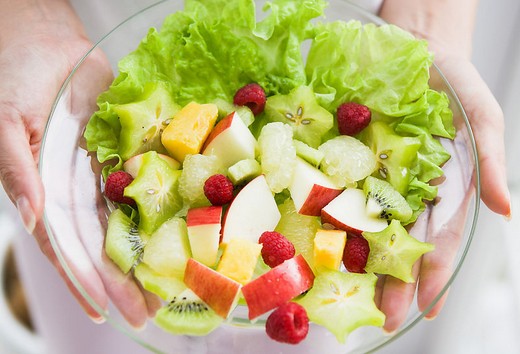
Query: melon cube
x: 328, y: 248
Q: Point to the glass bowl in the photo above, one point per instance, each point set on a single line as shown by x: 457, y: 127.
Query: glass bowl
x: 76, y: 212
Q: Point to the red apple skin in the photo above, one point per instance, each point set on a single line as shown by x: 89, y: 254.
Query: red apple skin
x: 204, y: 215
x: 219, y: 128
x: 216, y: 290
x: 279, y: 285
x: 328, y: 219
x: 317, y: 199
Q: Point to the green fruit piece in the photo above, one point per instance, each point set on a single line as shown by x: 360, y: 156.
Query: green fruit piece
x: 347, y: 160
x: 155, y: 192
x: 168, y: 249
x: 244, y: 171
x: 309, y: 154
x: 385, y: 201
x: 164, y: 287
x: 277, y: 155
x: 301, y: 111
x: 123, y: 242
x: 299, y: 229
x: 395, y: 154
x: 342, y: 302
x: 393, y: 251
x: 142, y: 122
x: 187, y: 314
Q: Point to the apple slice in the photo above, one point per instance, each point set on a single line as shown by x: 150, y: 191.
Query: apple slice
x: 279, y: 285
x: 231, y: 141
x: 348, y: 212
x: 133, y: 164
x: 252, y: 212
x: 204, y: 226
x: 219, y: 292
x: 311, y: 189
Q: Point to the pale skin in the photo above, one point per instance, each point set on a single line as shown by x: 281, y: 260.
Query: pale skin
x: 40, y: 41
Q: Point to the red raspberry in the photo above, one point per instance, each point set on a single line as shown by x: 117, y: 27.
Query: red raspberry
x: 252, y: 96
x: 352, y: 118
x: 115, y: 187
x: 288, y: 323
x: 275, y: 248
x: 218, y: 189
x: 355, y: 254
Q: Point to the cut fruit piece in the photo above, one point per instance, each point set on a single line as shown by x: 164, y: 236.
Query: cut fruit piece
x: 204, y: 226
x: 311, y: 189
x: 188, y: 315
x: 168, y: 249
x: 155, y: 192
x: 244, y: 171
x: 328, y: 248
x: 277, y: 155
x: 133, y: 165
x: 302, y: 112
x: 395, y: 154
x: 311, y: 155
x: 279, y: 285
x: 342, y: 302
x: 143, y: 122
x: 252, y: 212
x: 239, y: 260
x: 347, y: 160
x: 216, y: 290
x: 189, y: 129
x: 164, y: 287
x: 393, y: 251
x: 385, y: 201
x: 348, y: 212
x: 230, y: 141
x: 299, y: 229
x: 123, y: 242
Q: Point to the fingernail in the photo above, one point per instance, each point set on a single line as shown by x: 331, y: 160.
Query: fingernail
x: 26, y: 214
x: 389, y: 333
x: 98, y: 320
x: 431, y: 318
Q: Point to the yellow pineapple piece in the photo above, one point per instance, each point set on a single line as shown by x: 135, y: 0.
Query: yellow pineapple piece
x: 188, y: 129
x: 328, y: 248
x: 239, y: 259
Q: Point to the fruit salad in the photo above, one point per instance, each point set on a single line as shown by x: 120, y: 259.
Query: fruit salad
x: 242, y: 172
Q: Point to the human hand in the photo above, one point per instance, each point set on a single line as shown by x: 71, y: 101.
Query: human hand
x: 34, y: 62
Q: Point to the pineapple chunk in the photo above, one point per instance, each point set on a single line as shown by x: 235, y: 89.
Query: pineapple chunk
x: 239, y: 259
x: 188, y: 130
x: 328, y: 248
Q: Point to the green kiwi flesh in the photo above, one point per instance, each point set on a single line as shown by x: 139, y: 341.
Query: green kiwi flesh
x: 394, y: 251
x: 389, y: 203
x: 123, y: 243
x: 300, y: 109
x: 155, y: 192
x: 395, y: 154
x: 187, y: 314
x: 142, y: 122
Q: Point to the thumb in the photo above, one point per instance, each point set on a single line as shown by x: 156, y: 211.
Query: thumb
x: 18, y: 168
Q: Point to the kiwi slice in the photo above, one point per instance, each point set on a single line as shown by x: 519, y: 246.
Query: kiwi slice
x: 123, y: 242
x: 395, y: 154
x: 155, y: 192
x: 301, y: 111
x: 142, y: 122
x: 342, y: 302
x: 187, y: 314
x: 163, y: 286
x: 385, y: 201
x: 394, y: 251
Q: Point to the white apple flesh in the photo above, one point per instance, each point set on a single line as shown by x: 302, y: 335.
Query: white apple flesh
x: 279, y: 285
x: 219, y: 292
x: 204, y: 225
x: 251, y: 212
x: 348, y: 212
x: 133, y: 164
x: 231, y: 141
x: 311, y: 189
